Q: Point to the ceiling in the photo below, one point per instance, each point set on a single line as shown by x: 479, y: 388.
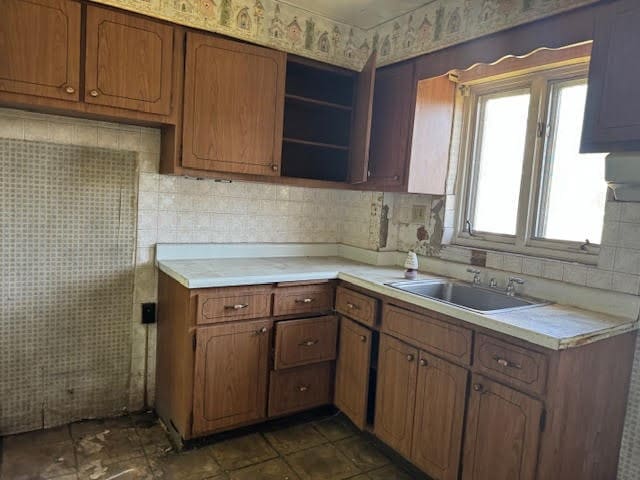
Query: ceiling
x: 363, y: 14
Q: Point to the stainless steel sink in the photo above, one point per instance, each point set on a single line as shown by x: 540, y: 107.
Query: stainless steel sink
x: 478, y: 299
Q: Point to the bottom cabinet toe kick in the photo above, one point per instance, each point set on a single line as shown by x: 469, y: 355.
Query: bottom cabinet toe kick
x: 456, y: 400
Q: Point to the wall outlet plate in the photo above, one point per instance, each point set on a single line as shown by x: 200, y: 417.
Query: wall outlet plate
x: 418, y: 213
x: 148, y: 313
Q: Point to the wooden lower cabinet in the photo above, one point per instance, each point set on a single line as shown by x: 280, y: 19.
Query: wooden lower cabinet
x: 439, y: 417
x: 503, y: 433
x: 396, y: 394
x: 231, y: 369
x: 352, y: 373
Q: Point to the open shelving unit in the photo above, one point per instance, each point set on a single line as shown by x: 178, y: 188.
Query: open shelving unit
x: 318, y: 117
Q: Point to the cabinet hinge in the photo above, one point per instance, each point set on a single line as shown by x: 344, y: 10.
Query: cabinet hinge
x: 194, y: 342
x: 543, y: 420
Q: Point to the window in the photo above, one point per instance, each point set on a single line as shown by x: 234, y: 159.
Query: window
x: 526, y: 188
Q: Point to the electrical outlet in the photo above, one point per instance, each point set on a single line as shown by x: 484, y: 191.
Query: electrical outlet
x: 148, y: 313
x: 418, y: 213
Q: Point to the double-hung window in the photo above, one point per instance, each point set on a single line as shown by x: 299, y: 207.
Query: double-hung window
x: 525, y: 187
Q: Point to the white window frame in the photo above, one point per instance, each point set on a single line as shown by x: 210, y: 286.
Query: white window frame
x: 541, y: 84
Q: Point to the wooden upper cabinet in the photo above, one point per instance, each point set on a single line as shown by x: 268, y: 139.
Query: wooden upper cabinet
x: 440, y: 407
x: 352, y: 372
x: 231, y: 369
x: 129, y: 62
x: 233, y: 107
x: 612, y: 116
x: 393, y: 105
x: 502, y: 433
x: 396, y: 394
x: 40, y: 48
x: 361, y: 127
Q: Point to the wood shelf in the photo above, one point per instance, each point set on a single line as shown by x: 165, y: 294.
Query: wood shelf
x: 321, y: 103
x: 316, y: 144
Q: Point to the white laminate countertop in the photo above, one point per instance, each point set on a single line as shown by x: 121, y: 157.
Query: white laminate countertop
x: 552, y: 326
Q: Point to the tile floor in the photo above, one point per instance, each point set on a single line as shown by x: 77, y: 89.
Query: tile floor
x: 136, y: 447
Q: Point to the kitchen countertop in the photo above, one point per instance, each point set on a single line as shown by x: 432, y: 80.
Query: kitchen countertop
x: 552, y: 326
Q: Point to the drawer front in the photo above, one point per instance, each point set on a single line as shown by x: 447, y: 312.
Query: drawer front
x: 356, y: 306
x: 228, y: 304
x: 438, y: 337
x: 301, y: 342
x: 300, y: 388
x: 511, y: 363
x: 304, y: 299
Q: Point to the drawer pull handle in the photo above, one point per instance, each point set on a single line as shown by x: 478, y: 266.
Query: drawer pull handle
x: 353, y: 306
x: 363, y: 338
x: 410, y: 358
x: 69, y: 89
x: 308, y: 343
x: 303, y: 388
x: 423, y: 362
x: 506, y: 363
x: 304, y: 300
x: 239, y: 306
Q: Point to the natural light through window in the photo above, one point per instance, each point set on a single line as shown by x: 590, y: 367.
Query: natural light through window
x: 574, y: 191
x: 502, y: 127
x: 526, y: 186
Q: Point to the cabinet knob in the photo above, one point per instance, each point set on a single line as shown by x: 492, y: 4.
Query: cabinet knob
x: 304, y: 300
x: 396, y: 178
x: 353, y: 306
x: 423, y: 362
x: 69, y: 89
x: 94, y: 93
x: 238, y: 306
x: 308, y: 343
x: 263, y: 330
x: 363, y: 338
x: 274, y: 167
x: 478, y: 387
x: 303, y: 388
x: 410, y: 358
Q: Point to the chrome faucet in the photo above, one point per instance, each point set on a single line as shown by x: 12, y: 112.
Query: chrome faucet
x: 511, y: 286
x: 476, y: 275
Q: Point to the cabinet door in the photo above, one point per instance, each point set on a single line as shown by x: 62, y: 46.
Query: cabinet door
x: 439, y: 418
x: 361, y: 127
x: 352, y: 374
x: 393, y: 105
x: 396, y: 394
x: 612, y: 116
x: 502, y: 434
x: 233, y: 107
x: 230, y: 386
x: 40, y: 48
x: 129, y: 62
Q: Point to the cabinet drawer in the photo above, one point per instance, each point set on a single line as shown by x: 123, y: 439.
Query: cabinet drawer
x: 300, y: 342
x: 304, y: 299
x: 300, y: 388
x: 516, y: 365
x: 436, y: 336
x: 356, y: 306
x: 227, y: 304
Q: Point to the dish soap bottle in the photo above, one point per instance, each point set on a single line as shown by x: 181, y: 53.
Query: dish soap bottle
x: 411, y: 264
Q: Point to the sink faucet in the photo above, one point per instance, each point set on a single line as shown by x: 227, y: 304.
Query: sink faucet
x: 476, y: 275
x: 511, y: 286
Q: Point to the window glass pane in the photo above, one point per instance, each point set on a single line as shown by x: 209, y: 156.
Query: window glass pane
x: 573, y: 193
x: 501, y: 141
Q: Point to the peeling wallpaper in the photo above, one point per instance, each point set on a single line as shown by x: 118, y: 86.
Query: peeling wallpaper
x: 436, y: 25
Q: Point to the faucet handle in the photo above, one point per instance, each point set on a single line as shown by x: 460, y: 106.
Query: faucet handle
x: 517, y: 280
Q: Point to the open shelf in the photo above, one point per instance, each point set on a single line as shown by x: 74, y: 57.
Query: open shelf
x: 308, y: 160
x: 298, y: 98
x: 321, y: 84
x: 315, y: 144
x: 316, y: 123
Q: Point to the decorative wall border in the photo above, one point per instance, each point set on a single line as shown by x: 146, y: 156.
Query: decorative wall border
x: 435, y: 25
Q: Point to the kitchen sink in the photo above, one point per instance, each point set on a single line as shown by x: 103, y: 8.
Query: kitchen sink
x: 471, y: 297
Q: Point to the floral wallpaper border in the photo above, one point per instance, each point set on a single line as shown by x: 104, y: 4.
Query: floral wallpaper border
x: 435, y: 25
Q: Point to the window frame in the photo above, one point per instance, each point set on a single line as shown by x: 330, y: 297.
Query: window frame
x: 537, y: 144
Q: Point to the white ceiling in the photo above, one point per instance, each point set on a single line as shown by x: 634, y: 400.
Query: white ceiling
x: 364, y: 14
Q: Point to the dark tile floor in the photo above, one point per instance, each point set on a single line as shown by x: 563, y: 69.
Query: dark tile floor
x: 136, y: 447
